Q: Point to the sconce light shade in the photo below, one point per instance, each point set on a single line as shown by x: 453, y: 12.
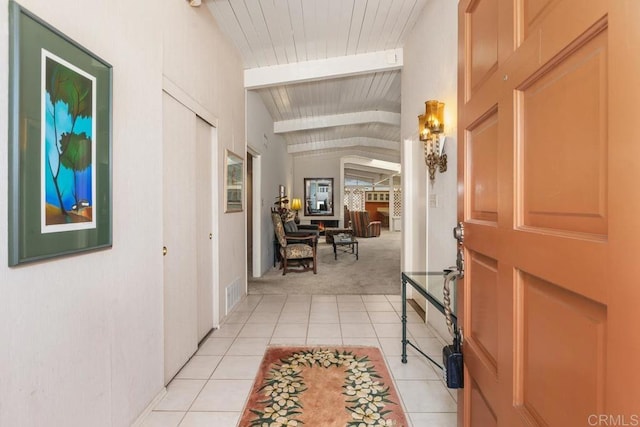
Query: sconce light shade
x: 423, y: 132
x: 434, y: 112
x: 296, y: 204
x: 195, y: 3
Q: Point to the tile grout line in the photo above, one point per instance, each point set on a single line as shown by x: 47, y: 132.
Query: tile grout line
x: 377, y: 338
x: 221, y: 359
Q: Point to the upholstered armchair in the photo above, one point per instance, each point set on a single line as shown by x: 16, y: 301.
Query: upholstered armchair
x: 295, y: 250
x: 362, y: 226
x: 291, y: 228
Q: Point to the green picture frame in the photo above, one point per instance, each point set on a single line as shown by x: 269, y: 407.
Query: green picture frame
x: 60, y: 171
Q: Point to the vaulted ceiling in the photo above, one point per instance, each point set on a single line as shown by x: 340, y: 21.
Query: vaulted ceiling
x: 328, y: 71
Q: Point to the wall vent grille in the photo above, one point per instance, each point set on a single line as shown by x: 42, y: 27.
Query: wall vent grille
x: 233, y: 292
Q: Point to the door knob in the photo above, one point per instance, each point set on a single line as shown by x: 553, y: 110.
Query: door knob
x: 210, y: 236
x: 164, y: 251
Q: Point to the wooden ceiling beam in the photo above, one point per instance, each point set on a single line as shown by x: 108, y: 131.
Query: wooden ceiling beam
x: 342, y: 143
x: 320, y: 122
x: 330, y: 68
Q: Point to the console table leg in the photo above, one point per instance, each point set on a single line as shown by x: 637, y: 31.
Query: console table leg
x: 404, y: 322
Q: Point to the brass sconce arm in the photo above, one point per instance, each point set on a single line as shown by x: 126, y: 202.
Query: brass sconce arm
x: 433, y: 159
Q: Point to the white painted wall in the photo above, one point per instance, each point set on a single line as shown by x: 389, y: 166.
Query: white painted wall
x: 89, y: 352
x: 198, y: 59
x: 425, y: 77
x: 275, y: 170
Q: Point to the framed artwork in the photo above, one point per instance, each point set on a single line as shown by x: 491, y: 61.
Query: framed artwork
x: 59, y: 143
x: 233, y: 182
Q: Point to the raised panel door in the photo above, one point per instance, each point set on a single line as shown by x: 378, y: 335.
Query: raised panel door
x: 549, y: 172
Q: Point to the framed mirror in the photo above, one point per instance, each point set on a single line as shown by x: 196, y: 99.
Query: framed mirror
x: 318, y: 196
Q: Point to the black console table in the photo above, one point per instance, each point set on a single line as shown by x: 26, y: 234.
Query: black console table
x: 430, y: 286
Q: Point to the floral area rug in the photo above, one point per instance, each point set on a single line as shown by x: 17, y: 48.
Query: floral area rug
x: 310, y: 386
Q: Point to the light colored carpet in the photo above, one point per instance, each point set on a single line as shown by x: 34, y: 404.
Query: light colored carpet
x: 376, y: 272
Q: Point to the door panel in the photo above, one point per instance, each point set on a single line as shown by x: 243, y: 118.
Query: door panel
x: 553, y: 32
x: 550, y: 371
x: 572, y: 91
x: 544, y: 213
x: 483, y: 305
x: 483, y: 52
x: 481, y: 413
x: 482, y: 152
x: 179, y: 234
x: 204, y: 227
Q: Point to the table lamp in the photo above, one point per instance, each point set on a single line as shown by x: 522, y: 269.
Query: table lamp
x: 296, y: 205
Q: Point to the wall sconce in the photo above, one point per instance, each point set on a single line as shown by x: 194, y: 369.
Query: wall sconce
x: 296, y: 205
x: 431, y: 127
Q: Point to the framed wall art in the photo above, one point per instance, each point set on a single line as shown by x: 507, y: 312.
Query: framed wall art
x: 233, y: 182
x: 59, y: 143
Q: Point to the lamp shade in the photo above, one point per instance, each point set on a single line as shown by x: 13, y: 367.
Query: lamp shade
x: 434, y: 116
x: 296, y: 204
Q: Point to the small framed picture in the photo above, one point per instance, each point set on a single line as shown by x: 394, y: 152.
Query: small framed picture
x: 233, y: 183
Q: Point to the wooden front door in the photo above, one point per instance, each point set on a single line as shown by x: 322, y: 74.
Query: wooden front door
x: 549, y: 158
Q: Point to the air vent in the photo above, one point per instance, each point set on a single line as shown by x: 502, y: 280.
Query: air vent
x: 234, y: 292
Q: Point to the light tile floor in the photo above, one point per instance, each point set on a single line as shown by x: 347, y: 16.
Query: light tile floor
x: 213, y: 386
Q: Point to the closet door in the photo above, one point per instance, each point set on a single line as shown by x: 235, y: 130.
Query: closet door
x: 204, y: 226
x: 179, y: 235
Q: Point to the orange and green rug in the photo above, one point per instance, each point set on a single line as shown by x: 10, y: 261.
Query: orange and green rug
x: 312, y: 386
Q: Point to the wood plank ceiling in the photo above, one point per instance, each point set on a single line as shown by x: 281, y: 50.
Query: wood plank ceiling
x: 328, y: 71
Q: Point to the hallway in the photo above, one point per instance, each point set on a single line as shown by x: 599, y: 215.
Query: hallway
x: 212, y: 388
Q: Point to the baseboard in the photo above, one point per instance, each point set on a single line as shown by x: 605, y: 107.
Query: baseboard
x: 138, y: 422
x: 417, y: 308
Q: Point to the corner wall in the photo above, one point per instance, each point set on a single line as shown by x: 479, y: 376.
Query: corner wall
x: 90, y: 352
x: 199, y: 60
x: 428, y: 230
x: 275, y: 170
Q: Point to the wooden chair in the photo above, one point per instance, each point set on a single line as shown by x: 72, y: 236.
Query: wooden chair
x: 295, y: 250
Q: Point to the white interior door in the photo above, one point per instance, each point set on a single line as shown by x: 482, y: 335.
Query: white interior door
x: 179, y: 234
x: 204, y: 226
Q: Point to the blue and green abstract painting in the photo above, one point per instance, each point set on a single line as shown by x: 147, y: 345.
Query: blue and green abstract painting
x: 68, y: 154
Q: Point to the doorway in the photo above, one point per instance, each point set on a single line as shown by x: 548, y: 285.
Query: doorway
x: 249, y: 201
